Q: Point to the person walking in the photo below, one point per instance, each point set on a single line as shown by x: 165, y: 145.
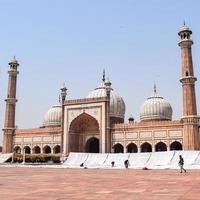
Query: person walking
x: 126, y: 164
x: 181, y: 163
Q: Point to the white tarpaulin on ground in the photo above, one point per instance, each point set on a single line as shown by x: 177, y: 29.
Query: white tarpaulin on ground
x: 117, y: 158
x: 75, y: 159
x: 139, y: 160
x: 196, y: 164
x: 188, y: 156
x: 160, y: 159
x: 5, y: 157
x: 197, y: 161
x: 95, y: 160
x: 153, y: 160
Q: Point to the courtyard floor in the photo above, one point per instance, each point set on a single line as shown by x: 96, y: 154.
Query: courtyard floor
x: 94, y: 184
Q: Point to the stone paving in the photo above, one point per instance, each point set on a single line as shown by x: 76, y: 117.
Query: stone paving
x: 94, y: 184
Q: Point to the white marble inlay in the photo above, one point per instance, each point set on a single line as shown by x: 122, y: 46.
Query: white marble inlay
x: 46, y: 139
x: 145, y: 134
x: 160, y: 134
x: 177, y: 133
x: 27, y: 139
x: 131, y: 135
x: 117, y: 136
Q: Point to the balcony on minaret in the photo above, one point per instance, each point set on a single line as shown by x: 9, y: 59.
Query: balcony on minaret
x: 13, y: 64
x: 185, y: 36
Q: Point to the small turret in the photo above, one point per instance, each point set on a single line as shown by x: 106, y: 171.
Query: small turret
x: 131, y: 119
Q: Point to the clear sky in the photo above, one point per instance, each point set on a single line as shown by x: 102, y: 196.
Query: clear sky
x: 72, y: 41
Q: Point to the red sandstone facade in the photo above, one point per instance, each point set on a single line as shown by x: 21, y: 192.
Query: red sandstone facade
x: 189, y: 118
x: 88, y: 126
x: 9, y: 126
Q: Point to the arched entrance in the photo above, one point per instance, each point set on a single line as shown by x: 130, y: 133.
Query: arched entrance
x: 132, y: 148
x: 118, y: 148
x: 47, y: 149
x: 146, y: 147
x: 56, y: 149
x: 92, y: 145
x: 36, y: 150
x: 81, y: 128
x: 17, y: 149
x: 176, y: 146
x: 27, y: 150
x: 161, y: 146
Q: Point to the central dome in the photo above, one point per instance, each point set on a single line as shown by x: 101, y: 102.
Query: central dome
x: 155, y: 108
x: 117, y: 105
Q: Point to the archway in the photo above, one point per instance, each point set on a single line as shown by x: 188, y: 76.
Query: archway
x: 17, y: 150
x: 80, y: 128
x: 56, y: 149
x: 161, y: 146
x: 118, y: 148
x: 36, y: 150
x: 27, y: 150
x: 92, y: 145
x: 47, y: 149
x: 146, y: 147
x: 132, y: 148
x: 176, y: 146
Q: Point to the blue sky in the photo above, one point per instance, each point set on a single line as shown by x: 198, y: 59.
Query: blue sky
x: 73, y: 41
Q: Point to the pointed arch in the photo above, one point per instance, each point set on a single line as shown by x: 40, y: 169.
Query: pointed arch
x: 27, y: 150
x: 56, y: 149
x: 132, y: 148
x: 92, y: 145
x: 46, y: 149
x: 176, y: 146
x: 18, y: 150
x: 146, y: 147
x: 161, y: 146
x: 36, y: 149
x: 84, y: 122
x: 118, y: 148
x: 82, y: 126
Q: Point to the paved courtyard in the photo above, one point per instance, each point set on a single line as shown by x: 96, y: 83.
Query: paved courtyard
x: 70, y: 184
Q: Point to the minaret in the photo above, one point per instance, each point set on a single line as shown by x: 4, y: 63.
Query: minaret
x: 189, y: 118
x: 63, y: 94
x: 108, y: 134
x: 9, y: 125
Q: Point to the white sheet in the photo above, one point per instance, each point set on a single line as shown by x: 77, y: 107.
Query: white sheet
x: 139, y: 160
x: 5, y: 157
x: 188, y: 156
x: 160, y: 159
x: 118, y: 158
x: 197, y: 161
x: 155, y: 160
x: 74, y: 160
x: 95, y: 160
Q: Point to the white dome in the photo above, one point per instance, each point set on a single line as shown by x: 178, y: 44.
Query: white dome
x: 155, y: 108
x: 184, y: 28
x: 117, y: 105
x: 53, y: 116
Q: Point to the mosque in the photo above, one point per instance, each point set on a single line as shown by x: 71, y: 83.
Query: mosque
x: 96, y: 124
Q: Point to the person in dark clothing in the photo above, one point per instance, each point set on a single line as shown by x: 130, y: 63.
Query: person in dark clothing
x: 82, y: 165
x: 126, y: 164
x: 181, y: 163
x: 112, y: 163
